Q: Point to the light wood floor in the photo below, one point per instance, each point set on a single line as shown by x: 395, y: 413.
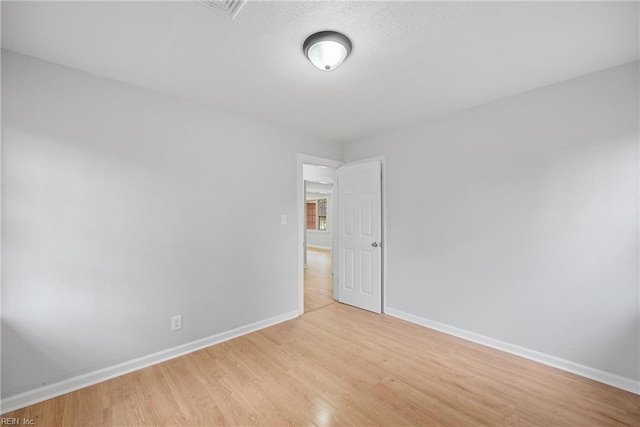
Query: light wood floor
x: 338, y: 365
x: 318, y: 281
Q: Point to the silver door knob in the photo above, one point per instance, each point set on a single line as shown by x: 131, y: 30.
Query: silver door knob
x: 374, y: 244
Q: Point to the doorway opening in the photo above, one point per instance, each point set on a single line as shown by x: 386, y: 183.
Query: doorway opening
x: 320, y: 274
x: 319, y: 223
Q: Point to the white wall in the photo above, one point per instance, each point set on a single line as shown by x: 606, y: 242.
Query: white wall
x: 319, y: 239
x: 518, y: 220
x: 122, y: 208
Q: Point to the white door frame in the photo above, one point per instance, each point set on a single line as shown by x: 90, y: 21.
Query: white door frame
x: 320, y: 161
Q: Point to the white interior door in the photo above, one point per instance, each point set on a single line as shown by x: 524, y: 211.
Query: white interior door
x: 359, y: 235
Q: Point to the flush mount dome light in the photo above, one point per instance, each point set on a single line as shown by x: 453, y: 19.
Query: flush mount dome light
x: 327, y: 49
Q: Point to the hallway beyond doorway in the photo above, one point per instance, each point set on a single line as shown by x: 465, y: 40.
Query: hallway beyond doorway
x: 318, y: 281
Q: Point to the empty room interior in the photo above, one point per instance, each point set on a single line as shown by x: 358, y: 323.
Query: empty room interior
x: 356, y: 213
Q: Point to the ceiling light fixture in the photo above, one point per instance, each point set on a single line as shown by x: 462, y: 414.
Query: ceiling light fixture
x: 327, y: 49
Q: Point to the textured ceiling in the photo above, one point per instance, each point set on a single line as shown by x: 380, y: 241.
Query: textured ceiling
x: 410, y: 60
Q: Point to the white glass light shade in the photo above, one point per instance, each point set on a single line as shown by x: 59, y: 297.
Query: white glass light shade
x: 327, y: 49
x: 327, y: 55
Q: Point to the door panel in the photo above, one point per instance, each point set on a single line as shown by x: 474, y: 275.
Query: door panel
x: 359, y: 235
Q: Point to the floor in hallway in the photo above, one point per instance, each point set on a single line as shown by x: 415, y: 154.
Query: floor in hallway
x: 318, y: 286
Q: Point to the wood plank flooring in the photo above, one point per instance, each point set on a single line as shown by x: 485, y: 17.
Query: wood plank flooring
x: 318, y: 281
x: 338, y: 365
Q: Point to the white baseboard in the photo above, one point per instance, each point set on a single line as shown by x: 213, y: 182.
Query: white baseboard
x: 617, y: 381
x: 81, y: 381
x: 319, y: 247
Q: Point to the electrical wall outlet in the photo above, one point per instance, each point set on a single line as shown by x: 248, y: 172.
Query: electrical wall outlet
x: 176, y: 323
